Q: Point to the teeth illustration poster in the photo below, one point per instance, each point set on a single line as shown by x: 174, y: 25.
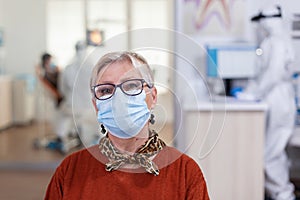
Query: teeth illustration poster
x: 213, y: 17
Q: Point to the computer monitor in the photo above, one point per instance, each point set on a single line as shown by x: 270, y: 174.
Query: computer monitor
x: 231, y: 61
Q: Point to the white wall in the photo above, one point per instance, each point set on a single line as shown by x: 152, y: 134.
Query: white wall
x: 65, y: 26
x: 1, y: 13
x: 1, y: 28
x: 24, y: 26
x: 23, y: 23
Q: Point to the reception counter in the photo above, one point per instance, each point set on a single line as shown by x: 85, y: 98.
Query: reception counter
x: 6, y: 117
x: 17, y: 105
x: 226, y: 138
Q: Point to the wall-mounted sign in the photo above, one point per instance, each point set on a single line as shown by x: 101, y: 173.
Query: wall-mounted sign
x: 213, y: 18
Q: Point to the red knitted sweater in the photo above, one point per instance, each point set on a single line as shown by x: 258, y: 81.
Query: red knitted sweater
x: 82, y: 176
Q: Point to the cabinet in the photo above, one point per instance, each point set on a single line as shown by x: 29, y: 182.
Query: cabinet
x: 227, y: 142
x: 23, y: 100
x: 5, y: 102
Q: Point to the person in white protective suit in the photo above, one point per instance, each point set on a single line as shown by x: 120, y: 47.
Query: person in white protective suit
x: 273, y: 85
x: 76, y: 110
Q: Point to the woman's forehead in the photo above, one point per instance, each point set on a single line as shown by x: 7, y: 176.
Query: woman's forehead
x: 118, y: 72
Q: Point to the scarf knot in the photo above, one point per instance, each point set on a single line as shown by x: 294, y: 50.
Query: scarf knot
x: 141, y: 157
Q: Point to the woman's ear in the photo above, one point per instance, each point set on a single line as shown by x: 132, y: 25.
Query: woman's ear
x: 154, y: 97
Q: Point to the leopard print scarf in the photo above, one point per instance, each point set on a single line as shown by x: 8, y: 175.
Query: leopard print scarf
x: 142, y: 156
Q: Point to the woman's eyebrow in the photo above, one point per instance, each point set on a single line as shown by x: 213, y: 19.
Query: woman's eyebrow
x: 126, y: 78
x: 120, y: 81
x: 105, y: 82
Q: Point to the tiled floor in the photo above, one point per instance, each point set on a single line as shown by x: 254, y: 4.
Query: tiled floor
x: 16, y: 144
x: 25, y: 171
x: 25, y: 185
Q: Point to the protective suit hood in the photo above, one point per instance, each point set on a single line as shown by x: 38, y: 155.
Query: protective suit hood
x: 270, y: 20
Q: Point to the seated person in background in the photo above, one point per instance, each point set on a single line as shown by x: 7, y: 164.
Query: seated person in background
x: 48, y: 74
x: 130, y: 162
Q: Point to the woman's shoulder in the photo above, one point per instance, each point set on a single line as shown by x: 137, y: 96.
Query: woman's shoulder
x: 90, y: 155
x: 171, y: 156
x: 175, y: 153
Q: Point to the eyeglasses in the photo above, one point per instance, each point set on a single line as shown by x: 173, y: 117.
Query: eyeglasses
x: 130, y: 87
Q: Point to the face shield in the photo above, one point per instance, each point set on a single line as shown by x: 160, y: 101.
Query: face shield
x: 269, y: 21
x: 272, y: 12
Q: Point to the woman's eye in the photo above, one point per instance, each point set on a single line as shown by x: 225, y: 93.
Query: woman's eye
x: 101, y: 91
x: 132, y: 85
x: 105, y: 91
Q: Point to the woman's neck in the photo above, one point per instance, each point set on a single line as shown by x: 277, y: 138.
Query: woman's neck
x: 130, y: 145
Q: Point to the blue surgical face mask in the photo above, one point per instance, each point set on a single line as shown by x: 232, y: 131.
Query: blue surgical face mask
x: 124, y: 116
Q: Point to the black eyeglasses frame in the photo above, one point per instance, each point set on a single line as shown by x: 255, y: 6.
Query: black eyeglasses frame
x: 144, y: 83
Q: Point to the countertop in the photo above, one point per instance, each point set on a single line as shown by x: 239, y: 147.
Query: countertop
x: 226, y: 104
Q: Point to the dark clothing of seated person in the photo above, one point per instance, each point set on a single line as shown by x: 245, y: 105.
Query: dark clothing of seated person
x: 49, y: 73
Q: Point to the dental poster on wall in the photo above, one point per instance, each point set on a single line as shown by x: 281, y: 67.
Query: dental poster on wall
x: 213, y: 17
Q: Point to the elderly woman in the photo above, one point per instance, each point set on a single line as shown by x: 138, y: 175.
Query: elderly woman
x: 130, y: 162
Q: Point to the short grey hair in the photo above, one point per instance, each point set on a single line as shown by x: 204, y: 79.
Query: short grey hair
x: 123, y: 56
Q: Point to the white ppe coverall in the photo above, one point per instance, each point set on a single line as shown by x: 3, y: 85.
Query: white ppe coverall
x: 273, y: 85
x: 77, y: 107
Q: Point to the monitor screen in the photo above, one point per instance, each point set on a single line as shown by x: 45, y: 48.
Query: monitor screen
x: 231, y: 61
